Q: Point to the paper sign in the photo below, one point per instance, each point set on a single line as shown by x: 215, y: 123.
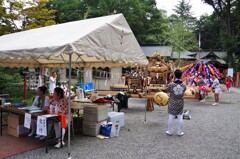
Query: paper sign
x: 115, y: 130
x: 42, y: 126
x: 27, y: 120
x: 230, y: 72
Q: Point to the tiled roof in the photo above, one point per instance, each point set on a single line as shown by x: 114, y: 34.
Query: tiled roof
x: 183, y: 55
x: 208, y: 60
x: 218, y: 54
x: 163, y: 50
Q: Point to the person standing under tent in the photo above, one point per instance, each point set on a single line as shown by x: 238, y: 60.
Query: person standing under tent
x: 229, y: 83
x: 217, y: 90
x: 176, y: 103
x: 64, y: 87
x: 52, y: 83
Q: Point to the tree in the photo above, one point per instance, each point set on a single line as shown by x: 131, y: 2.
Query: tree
x: 68, y: 10
x: 37, y: 15
x: 182, y: 25
x: 10, y: 75
x: 147, y: 22
x: 236, y: 25
x: 9, y: 11
x: 210, y: 29
x: 225, y: 11
x: 19, y: 15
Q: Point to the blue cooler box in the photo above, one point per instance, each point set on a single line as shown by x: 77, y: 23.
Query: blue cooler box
x: 83, y: 86
x: 116, y: 117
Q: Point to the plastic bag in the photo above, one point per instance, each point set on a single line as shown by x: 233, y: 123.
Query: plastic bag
x: 105, y: 130
x: 94, y: 96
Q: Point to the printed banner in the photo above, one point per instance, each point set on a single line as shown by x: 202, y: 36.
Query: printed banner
x: 27, y: 120
x: 42, y: 126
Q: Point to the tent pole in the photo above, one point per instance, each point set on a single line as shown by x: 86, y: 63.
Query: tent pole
x: 69, y: 109
x: 146, y: 74
x: 25, y: 89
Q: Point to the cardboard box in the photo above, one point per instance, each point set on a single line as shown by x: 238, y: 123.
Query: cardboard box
x: 95, y: 112
x: 16, y: 125
x: 19, y: 131
x: 91, y: 128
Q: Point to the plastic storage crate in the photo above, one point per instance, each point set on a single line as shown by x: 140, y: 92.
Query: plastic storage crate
x: 116, y: 117
x: 83, y: 86
x: 90, y: 86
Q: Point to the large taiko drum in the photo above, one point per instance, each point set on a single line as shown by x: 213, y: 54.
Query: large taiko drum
x: 161, y: 98
x: 189, y: 91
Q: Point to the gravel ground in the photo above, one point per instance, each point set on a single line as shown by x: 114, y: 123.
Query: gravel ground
x: 212, y: 133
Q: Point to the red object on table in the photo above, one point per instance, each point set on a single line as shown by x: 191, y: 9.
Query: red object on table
x: 50, y: 97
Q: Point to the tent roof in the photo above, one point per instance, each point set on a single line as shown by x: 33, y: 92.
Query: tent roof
x: 104, y: 41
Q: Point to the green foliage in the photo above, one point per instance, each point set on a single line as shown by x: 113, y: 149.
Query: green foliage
x: 18, y: 15
x: 80, y: 75
x: 10, y: 75
x: 8, y: 15
x: 226, y: 12
x: 16, y: 92
x: 147, y: 22
x: 12, y: 84
x: 182, y: 25
x: 67, y: 10
x: 210, y: 29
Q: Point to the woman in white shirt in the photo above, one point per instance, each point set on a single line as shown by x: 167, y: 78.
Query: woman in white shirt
x: 52, y: 83
x: 216, y: 86
x: 64, y: 87
x: 39, y: 101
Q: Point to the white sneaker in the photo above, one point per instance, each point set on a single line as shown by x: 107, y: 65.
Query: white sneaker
x: 43, y: 138
x: 203, y: 100
x: 214, y: 104
x: 58, y: 145
x: 31, y: 134
x: 168, y: 133
x: 38, y: 136
x: 181, y: 134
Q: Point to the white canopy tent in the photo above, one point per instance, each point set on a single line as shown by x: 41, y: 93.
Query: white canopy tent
x: 106, y: 41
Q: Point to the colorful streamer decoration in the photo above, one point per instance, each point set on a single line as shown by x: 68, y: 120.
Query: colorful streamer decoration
x: 200, y: 69
x: 217, y: 71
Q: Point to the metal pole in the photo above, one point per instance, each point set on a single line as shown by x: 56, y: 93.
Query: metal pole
x: 146, y: 74
x: 25, y: 88
x: 145, y: 116
x: 69, y: 109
